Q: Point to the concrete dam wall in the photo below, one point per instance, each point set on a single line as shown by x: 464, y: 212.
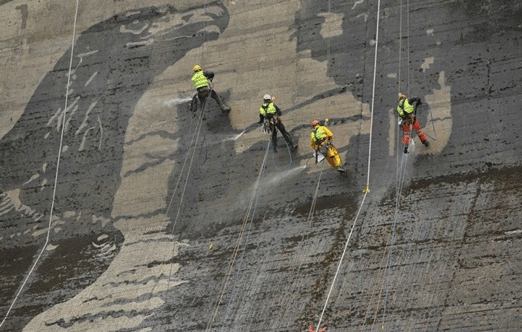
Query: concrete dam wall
x: 123, y: 210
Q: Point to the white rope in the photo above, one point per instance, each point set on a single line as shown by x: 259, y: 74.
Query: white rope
x: 373, y: 91
x: 400, y: 170
x: 56, y: 175
x: 400, y: 49
x: 193, y: 143
x: 408, y: 39
x: 239, y: 240
x: 366, y: 191
x: 300, y: 257
x: 340, y: 262
x: 314, y: 200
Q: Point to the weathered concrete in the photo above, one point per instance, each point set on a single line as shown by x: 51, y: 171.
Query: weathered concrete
x: 155, y: 219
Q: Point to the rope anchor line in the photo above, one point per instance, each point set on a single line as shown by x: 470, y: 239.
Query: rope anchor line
x: 367, y: 189
x: 56, y: 175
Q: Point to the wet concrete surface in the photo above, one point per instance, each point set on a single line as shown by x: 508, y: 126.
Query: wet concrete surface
x: 162, y: 222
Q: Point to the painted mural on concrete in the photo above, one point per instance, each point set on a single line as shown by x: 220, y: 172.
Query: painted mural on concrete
x: 413, y: 58
x: 114, y: 63
x: 142, y: 290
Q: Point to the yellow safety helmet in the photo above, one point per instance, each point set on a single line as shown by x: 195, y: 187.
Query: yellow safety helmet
x: 401, y: 96
x: 197, y: 68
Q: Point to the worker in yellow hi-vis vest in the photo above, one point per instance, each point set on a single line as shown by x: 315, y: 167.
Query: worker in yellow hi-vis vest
x: 321, y: 141
x: 201, y: 80
x: 270, y: 116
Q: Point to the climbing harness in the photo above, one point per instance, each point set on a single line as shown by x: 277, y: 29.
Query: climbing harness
x: 202, y: 101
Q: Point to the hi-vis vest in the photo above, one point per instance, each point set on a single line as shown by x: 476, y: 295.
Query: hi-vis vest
x: 267, y: 108
x: 319, y: 135
x: 199, y: 79
x: 404, y: 108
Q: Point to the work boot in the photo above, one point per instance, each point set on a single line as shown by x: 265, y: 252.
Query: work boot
x: 426, y: 143
x: 224, y: 108
x: 340, y: 169
x: 405, y: 149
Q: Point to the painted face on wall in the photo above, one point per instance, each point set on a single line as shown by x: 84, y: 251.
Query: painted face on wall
x: 411, y: 55
x: 114, y: 63
x: 133, y: 46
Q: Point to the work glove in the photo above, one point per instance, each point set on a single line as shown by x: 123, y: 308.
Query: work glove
x: 399, y: 122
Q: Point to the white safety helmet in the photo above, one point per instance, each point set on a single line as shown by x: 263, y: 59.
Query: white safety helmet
x: 267, y: 97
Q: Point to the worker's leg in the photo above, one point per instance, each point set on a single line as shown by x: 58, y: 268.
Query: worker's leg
x: 405, y: 136
x: 285, y: 134
x: 222, y: 105
x: 194, y: 102
x: 417, y: 128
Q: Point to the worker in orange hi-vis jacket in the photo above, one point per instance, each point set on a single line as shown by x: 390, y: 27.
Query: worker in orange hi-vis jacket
x: 407, y: 110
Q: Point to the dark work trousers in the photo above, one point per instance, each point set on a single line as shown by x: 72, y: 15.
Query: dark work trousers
x: 283, y: 131
x: 202, y: 94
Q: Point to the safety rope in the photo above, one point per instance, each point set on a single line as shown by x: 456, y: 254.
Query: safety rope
x: 341, y: 261
x: 289, y: 156
x: 296, y: 271
x: 193, y: 145
x: 433, y: 125
x: 391, y: 244
x: 367, y: 189
x: 56, y: 174
x: 251, y: 211
x: 241, y: 260
x: 400, y: 170
x: 408, y: 39
x: 253, y: 200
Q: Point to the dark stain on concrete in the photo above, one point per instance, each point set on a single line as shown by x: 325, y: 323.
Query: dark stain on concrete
x: 73, y: 265
x: 24, y: 12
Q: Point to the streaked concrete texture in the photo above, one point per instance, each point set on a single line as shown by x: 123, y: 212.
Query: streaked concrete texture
x: 162, y: 222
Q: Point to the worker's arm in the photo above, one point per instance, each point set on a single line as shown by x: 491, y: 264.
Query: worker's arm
x: 313, y: 145
x: 328, y: 133
x: 415, y: 101
x: 209, y: 74
x: 278, y: 110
